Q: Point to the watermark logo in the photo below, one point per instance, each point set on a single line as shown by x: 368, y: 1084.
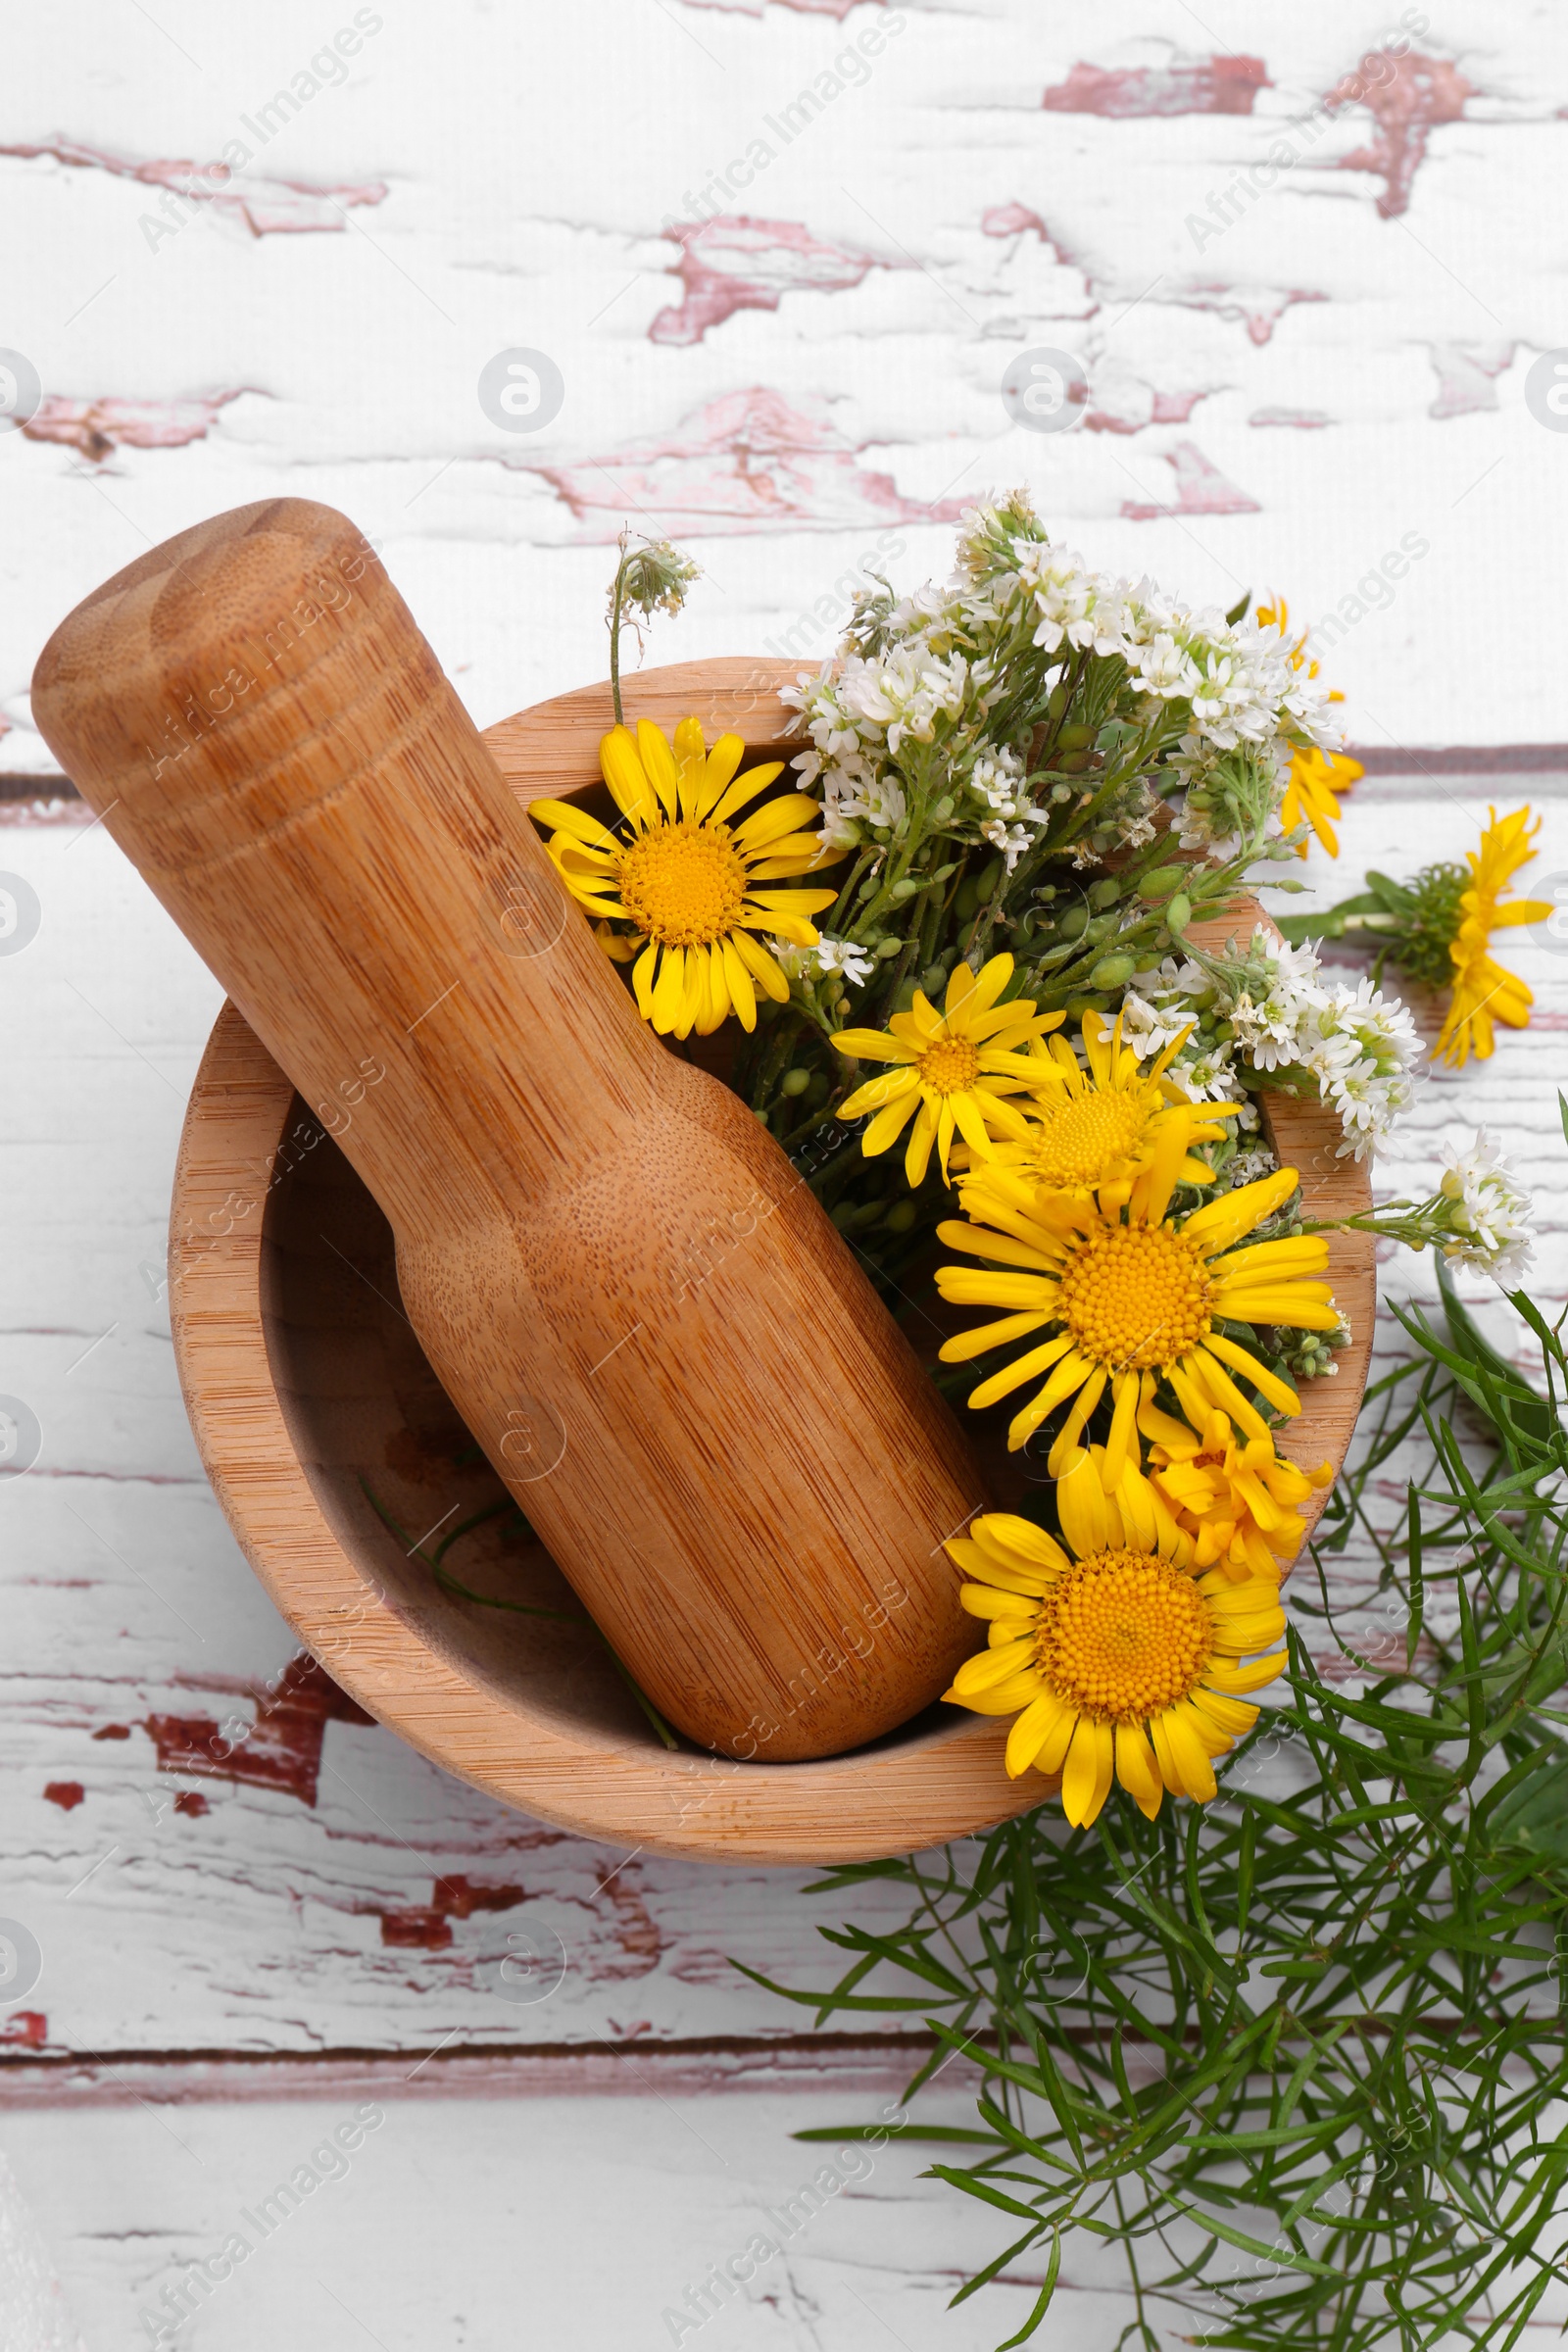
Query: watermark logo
x: 533, y: 1441
x: 21, y: 1438
x: 20, y: 913
x: 19, y: 390
x: 20, y: 1962
x: 531, y: 916
x: 521, y: 390
x: 1551, y: 932
x: 1546, y: 391
x: 531, y: 1968
x: 1045, y: 390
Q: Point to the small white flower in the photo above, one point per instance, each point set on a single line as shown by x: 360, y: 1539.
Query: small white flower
x: 1490, y: 1213
x: 1163, y: 668
x: 1208, y: 1077
x: 1249, y: 1167
x: 828, y: 958
x: 1012, y: 842
x: 1148, y: 1028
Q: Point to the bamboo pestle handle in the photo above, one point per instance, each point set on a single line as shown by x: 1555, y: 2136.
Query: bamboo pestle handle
x: 643, y: 1314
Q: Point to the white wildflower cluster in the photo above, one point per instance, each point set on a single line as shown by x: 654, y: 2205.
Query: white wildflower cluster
x: 1362, y: 1050
x: 1176, y: 1000
x: 1250, y: 1167
x: 1489, y: 1216
x: 1221, y: 705
x: 1001, y: 810
x: 1271, y: 1011
x: 1238, y: 679
x: 654, y: 578
x: 829, y: 959
x: 903, y: 694
x: 1274, y: 1000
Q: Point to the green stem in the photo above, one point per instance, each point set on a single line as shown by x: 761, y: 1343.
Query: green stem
x: 615, y: 633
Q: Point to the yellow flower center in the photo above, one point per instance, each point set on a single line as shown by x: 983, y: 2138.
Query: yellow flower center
x: 951, y: 1066
x: 1136, y: 1297
x: 684, y: 885
x: 1079, y: 1142
x: 1123, y: 1636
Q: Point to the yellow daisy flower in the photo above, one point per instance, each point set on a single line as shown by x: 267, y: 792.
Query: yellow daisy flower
x: 955, y: 1069
x: 1238, y: 1499
x: 1310, y: 794
x: 686, y: 875
x: 1315, y: 776
x: 1123, y: 1298
x: 1120, y: 1661
x: 1096, y: 1130
x: 1483, y: 992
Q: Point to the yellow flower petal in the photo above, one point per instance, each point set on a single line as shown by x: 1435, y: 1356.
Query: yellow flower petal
x: 1086, y: 1776
x: 1221, y: 1222
x: 1137, y: 1768
x: 1034, y: 1727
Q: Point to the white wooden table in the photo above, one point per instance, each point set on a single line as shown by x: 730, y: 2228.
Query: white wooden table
x: 233, y: 1967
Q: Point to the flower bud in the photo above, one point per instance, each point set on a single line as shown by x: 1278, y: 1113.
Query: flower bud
x: 1112, y: 971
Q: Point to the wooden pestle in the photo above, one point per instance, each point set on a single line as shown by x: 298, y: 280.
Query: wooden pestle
x: 641, y: 1311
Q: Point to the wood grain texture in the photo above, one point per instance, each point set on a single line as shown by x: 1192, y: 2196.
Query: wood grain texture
x: 650, y: 1324
x: 307, y: 1386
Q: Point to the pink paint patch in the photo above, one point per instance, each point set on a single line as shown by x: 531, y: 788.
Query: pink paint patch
x: 748, y: 462
x: 192, y: 1803
x: 98, y: 428
x: 736, y: 263
x: 114, y: 1730
x: 265, y: 206
x: 1191, y: 86
x: 1012, y: 220
x: 424, y: 1928
x: 1126, y: 404
x: 27, y: 2030
x: 636, y: 1931
x: 281, y: 1750
x: 1258, y: 309
x: 1467, y: 375
x: 1302, y: 420
x: 1201, y: 489
x: 65, y: 1793
x: 1408, y: 99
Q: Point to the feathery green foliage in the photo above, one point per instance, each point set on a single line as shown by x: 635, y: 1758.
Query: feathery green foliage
x: 1298, y: 2053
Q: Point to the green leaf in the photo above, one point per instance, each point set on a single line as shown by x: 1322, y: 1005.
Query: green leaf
x: 1391, y: 895
x: 1536, y: 1815
x: 1533, y: 1414
x: 1042, y: 2302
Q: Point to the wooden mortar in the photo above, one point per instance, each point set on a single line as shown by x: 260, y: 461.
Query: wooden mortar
x: 308, y: 1396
